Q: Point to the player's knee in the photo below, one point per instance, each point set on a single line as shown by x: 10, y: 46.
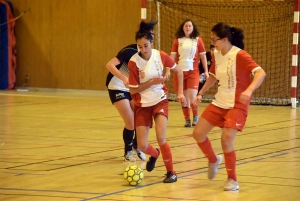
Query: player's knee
x: 143, y: 146
x: 199, y: 137
x: 161, y: 140
x: 226, y: 141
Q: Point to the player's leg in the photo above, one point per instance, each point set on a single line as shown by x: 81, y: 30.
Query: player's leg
x: 185, y: 109
x: 235, y: 120
x: 227, y: 139
x: 160, y: 114
x: 143, y: 122
x: 210, y: 117
x: 192, y: 94
x: 121, y: 101
x: 192, y: 87
x: 138, y: 152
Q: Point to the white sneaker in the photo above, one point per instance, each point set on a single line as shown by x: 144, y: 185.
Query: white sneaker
x: 129, y: 157
x: 213, y: 167
x: 140, y: 154
x: 231, y: 185
x: 195, y: 120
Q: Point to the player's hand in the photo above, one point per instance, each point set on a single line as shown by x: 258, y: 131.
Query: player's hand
x: 197, y: 101
x: 181, y: 99
x: 206, y: 75
x: 245, y: 97
x: 167, y: 75
x: 158, y: 80
x: 125, y: 82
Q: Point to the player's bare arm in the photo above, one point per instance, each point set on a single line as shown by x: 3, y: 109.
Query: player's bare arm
x: 111, y: 66
x: 180, y: 97
x: 259, y: 76
x: 209, y: 83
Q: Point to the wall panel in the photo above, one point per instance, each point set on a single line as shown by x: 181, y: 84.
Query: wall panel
x: 66, y: 44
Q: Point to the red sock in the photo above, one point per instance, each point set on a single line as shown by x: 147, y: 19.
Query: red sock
x: 230, y: 164
x: 186, y: 112
x: 194, y: 110
x: 151, y: 151
x: 167, y: 156
x: 207, y: 150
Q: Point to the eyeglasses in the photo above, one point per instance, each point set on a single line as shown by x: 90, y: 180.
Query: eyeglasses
x: 215, y: 40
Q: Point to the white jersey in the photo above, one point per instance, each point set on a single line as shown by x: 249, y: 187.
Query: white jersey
x: 141, y: 71
x: 233, y: 72
x: 187, y: 51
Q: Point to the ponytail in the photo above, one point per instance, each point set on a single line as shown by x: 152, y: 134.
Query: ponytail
x: 237, y: 37
x: 145, y: 30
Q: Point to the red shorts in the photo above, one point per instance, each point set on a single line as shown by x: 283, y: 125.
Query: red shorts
x: 143, y: 115
x: 190, y: 80
x: 225, y: 118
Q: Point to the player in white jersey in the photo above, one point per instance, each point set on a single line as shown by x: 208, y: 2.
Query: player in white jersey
x: 187, y: 49
x: 147, y: 89
x: 117, y: 84
x: 232, y: 68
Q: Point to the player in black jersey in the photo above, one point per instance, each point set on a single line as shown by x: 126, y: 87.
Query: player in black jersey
x: 117, y: 85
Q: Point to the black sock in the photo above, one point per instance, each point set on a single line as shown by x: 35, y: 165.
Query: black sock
x: 127, y: 138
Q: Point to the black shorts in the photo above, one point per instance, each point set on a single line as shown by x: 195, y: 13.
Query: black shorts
x: 117, y: 95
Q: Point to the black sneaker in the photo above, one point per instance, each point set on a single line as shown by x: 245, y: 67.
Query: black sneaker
x: 151, y: 162
x: 171, y: 177
x: 187, y: 123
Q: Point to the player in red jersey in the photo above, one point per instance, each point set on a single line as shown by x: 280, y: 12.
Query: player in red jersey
x: 232, y: 68
x: 147, y: 89
x: 187, y: 49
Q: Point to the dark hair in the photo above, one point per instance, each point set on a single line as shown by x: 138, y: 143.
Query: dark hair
x: 147, y: 26
x: 180, y: 33
x: 233, y: 34
x: 145, y: 29
x: 211, y: 46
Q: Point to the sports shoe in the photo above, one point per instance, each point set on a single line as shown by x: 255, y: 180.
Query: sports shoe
x: 140, y: 154
x: 171, y: 177
x: 195, y: 120
x: 187, y: 123
x: 129, y: 157
x: 151, y: 162
x: 231, y: 185
x: 213, y: 167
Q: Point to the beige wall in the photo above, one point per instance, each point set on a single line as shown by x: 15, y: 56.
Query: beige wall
x: 66, y: 43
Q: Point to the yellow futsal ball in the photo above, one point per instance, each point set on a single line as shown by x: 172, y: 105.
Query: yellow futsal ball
x: 134, y: 175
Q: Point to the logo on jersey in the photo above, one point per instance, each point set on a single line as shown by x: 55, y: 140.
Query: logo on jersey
x: 231, y: 80
x: 193, y: 49
x: 141, y: 74
x: 158, y: 67
x: 120, y: 95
